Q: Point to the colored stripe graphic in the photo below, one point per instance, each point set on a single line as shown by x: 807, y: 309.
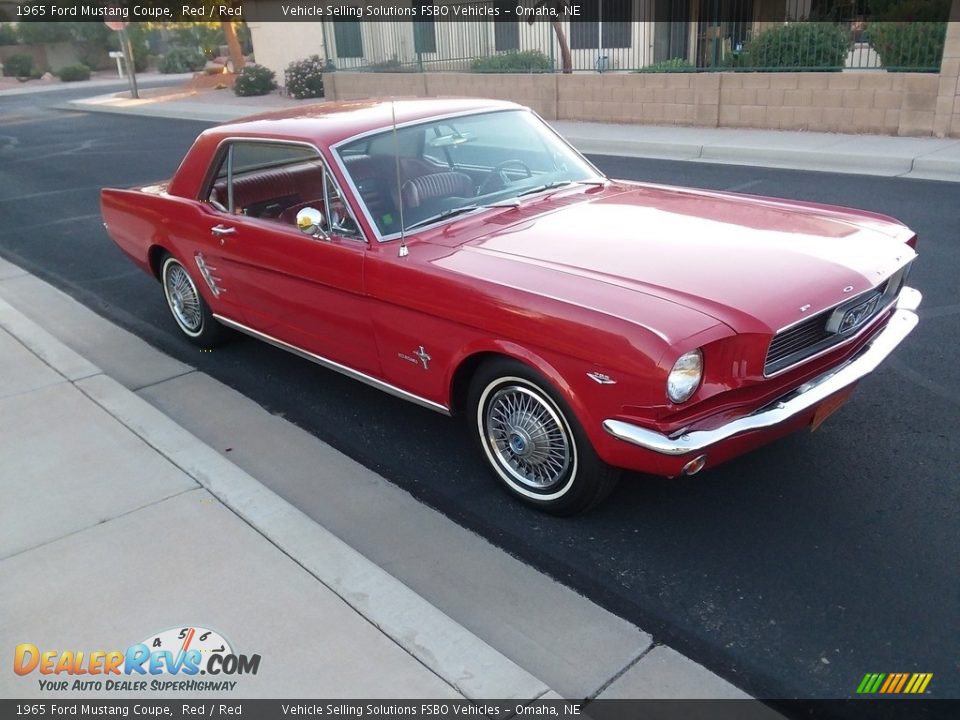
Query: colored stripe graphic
x: 870, y: 683
x: 894, y: 683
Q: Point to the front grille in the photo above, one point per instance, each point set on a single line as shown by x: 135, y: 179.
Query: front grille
x: 812, y: 336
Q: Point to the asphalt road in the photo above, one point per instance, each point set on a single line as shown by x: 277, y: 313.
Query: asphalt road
x: 791, y: 572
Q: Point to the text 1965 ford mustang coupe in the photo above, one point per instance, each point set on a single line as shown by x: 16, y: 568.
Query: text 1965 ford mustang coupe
x: 460, y: 255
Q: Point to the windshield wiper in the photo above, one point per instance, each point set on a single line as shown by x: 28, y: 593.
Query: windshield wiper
x: 441, y: 215
x: 545, y: 186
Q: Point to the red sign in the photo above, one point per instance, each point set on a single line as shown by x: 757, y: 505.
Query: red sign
x: 115, y: 24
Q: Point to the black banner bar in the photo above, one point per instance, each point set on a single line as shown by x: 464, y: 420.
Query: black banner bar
x: 574, y: 11
x: 226, y: 708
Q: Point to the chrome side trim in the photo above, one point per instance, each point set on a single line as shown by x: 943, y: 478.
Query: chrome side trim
x: 902, y: 322
x: 337, y: 367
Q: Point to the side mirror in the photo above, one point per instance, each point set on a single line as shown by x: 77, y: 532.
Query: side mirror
x: 310, y: 221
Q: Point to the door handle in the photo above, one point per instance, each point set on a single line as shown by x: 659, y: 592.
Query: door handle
x: 222, y: 230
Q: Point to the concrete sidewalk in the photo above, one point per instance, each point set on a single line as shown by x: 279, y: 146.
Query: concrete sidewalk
x: 118, y: 524
x: 919, y: 158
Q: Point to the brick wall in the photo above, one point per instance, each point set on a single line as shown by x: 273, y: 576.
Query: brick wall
x: 538, y: 92
x: 535, y: 91
x: 947, y: 120
x: 656, y: 98
x: 853, y: 102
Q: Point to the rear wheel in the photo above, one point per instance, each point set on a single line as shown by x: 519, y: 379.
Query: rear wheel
x: 533, y: 442
x: 187, y: 305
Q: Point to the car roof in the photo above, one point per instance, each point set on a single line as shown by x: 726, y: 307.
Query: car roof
x: 332, y: 122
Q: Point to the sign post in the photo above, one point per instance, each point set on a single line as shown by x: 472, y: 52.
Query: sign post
x: 126, y: 48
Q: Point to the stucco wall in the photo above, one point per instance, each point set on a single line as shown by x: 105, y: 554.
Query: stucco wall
x: 51, y: 56
x: 277, y: 44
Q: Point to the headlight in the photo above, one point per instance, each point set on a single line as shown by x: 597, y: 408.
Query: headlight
x: 685, y: 377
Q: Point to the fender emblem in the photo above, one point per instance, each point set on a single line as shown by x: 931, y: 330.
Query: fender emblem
x: 600, y: 378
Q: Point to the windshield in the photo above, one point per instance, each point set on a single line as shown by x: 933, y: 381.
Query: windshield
x: 452, y: 166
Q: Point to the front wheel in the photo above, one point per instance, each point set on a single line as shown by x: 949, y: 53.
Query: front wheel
x: 187, y: 305
x: 533, y: 443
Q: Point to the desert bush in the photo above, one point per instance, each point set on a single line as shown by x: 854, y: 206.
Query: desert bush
x: 388, y: 66
x: 909, y: 45
x: 18, y: 66
x: 807, y: 45
x: 304, y: 78
x: 671, y: 65
x: 909, y: 34
x: 254, y: 80
x: 514, y: 61
x: 74, y: 73
x: 181, y: 60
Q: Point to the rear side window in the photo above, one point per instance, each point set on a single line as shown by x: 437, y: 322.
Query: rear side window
x: 274, y: 181
x: 254, y: 156
x: 265, y: 180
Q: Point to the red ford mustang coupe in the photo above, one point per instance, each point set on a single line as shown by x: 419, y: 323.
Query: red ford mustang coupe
x: 459, y: 254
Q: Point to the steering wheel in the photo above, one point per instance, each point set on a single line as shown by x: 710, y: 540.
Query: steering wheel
x: 497, y: 174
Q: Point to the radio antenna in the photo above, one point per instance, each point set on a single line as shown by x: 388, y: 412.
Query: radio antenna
x: 403, y: 252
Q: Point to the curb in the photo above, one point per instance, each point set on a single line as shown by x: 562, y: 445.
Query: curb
x: 467, y: 663
x: 922, y: 168
x: 149, y: 80
x: 145, y: 108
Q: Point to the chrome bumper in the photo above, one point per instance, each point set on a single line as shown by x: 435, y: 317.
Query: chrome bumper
x: 903, y: 320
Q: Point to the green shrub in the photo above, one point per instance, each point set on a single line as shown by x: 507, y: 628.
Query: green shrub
x: 8, y: 34
x: 304, y: 78
x: 39, y: 33
x: 909, y: 45
x: 514, y: 61
x: 392, y: 65
x: 254, y: 80
x: 18, y: 66
x: 206, y: 37
x: 181, y: 60
x: 737, y: 61
x: 671, y: 65
x: 807, y: 45
x: 909, y: 34
x: 74, y: 73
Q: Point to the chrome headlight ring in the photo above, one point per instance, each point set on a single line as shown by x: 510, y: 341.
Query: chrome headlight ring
x: 685, y: 377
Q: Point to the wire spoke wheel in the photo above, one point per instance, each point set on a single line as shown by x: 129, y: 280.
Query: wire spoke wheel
x: 528, y: 438
x: 183, y: 298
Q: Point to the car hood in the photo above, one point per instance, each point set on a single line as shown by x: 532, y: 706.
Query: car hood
x: 755, y: 264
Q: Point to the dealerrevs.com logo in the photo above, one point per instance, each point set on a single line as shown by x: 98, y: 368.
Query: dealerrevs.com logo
x: 170, y: 660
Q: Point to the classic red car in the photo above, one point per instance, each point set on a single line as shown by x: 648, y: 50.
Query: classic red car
x: 459, y: 254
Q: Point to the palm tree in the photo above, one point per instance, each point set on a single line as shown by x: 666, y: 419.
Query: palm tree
x: 558, y: 9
